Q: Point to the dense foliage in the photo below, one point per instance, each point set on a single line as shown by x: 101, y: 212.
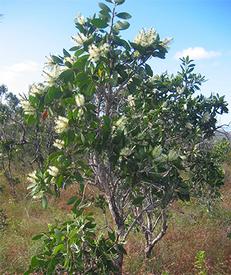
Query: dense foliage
x: 74, y: 246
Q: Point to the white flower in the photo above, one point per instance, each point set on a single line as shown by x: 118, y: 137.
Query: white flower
x: 49, y: 63
x: 80, y: 113
x: 94, y: 53
x: 80, y: 38
x: 121, y: 122
x: 146, y: 38
x: 131, y: 101
x: 70, y: 59
x: 27, y: 108
x: 97, y: 52
x: 52, y: 75
x: 36, y: 89
x: 53, y: 171
x: 189, y: 125
x: 58, y: 143
x: 32, y: 177
x: 61, y: 124
x: 105, y: 48
x: 206, y: 117
x: 80, y: 100
x: 167, y: 41
x: 180, y: 90
x: 81, y: 19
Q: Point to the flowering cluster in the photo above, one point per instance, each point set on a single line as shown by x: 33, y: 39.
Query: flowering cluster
x: 146, y: 38
x: 33, y: 186
x: 206, y: 117
x: 58, y: 144
x: 80, y: 38
x: 70, y: 59
x: 49, y: 62
x: 28, y: 109
x: 52, y: 71
x: 167, y: 41
x: 80, y: 19
x: 97, y: 52
x: 61, y: 124
x: 121, y: 122
x: 32, y: 178
x: 53, y: 171
x: 80, y: 100
x: 131, y: 101
x: 36, y: 89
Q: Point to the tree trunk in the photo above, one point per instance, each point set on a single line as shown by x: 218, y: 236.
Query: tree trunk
x: 119, y: 263
x: 118, y: 220
x: 151, y: 243
x: 148, y: 251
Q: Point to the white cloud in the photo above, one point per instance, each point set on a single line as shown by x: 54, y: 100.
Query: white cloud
x: 20, y: 75
x: 197, y: 53
x: 22, y: 67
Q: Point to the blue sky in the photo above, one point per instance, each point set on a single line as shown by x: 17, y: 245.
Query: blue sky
x: 31, y: 30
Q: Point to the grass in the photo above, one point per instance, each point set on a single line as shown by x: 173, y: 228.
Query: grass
x: 25, y: 218
x: 191, y: 229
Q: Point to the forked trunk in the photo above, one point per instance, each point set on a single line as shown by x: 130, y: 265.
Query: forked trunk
x: 148, y: 251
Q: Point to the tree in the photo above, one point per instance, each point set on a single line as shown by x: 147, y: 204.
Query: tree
x: 138, y: 138
x: 21, y: 145
x: 12, y: 134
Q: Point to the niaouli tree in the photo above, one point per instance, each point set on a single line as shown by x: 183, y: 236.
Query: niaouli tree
x: 136, y: 137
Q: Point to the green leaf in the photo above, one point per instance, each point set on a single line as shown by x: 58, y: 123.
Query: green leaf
x: 121, y: 25
x: 112, y: 236
x: 82, y: 78
x: 107, y: 123
x: 99, y: 23
x: 52, y: 94
x: 66, y: 53
x: 81, y: 62
x: 119, y: 2
x: 122, y: 42
x: 33, y: 100
x: 104, y: 7
x: 34, y: 262
x: 44, y: 202
x: 138, y: 201
x: 172, y: 155
x: 148, y: 70
x: 58, y: 248
x: 79, y: 52
x: 105, y: 15
x: 157, y: 151
x: 72, y: 200
x: 56, y: 59
x: 124, y: 15
x: 37, y: 237
x: 90, y: 89
x: 67, y: 76
x: 59, y: 181
x: 75, y: 48
x: 82, y: 138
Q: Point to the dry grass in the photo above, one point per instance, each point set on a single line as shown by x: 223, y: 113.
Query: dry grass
x: 26, y: 218
x: 188, y: 233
